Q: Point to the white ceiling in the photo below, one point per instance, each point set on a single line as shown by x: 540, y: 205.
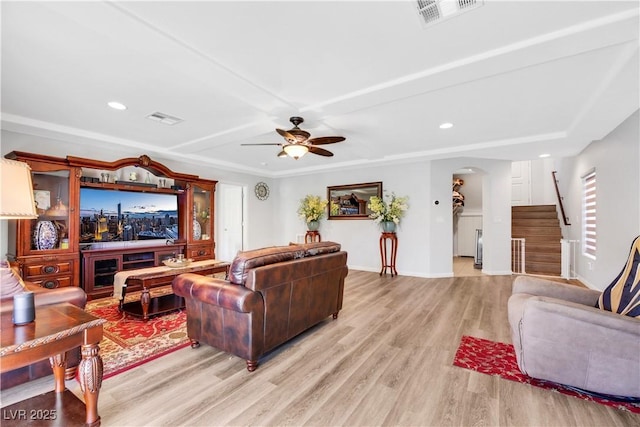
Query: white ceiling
x: 516, y: 78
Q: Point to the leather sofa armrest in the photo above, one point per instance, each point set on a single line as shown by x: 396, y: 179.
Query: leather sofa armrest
x: 548, y: 288
x: 217, y: 292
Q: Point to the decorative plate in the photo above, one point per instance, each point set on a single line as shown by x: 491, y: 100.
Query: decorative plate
x: 262, y: 191
x: 45, y: 235
x: 197, y: 230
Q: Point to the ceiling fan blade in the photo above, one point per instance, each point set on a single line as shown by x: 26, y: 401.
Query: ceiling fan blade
x: 286, y: 135
x: 320, y: 151
x: 266, y: 143
x: 326, y: 140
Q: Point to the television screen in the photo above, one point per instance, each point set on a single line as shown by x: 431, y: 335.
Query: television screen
x: 114, y: 215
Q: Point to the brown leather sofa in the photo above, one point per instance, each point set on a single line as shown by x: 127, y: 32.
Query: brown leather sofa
x: 271, y: 295
x: 11, y: 284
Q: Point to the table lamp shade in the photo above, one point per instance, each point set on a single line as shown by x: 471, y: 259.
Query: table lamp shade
x: 16, y: 198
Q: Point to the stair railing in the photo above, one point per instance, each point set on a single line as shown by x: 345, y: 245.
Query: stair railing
x: 517, y: 255
x: 565, y: 218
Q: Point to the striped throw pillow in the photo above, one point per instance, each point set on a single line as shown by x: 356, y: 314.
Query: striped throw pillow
x: 623, y: 295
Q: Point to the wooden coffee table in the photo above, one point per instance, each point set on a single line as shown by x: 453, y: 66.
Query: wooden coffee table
x: 56, y: 329
x: 147, y: 306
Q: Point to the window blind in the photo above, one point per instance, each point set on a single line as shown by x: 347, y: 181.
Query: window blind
x: 589, y: 214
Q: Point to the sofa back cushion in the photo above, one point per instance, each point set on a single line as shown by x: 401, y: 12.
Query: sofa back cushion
x: 623, y: 295
x: 247, y: 260
x: 10, y: 281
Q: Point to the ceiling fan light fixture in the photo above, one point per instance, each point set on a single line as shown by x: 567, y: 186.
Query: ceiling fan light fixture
x: 296, y: 150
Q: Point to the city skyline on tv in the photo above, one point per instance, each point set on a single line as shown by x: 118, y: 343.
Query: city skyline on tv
x: 93, y: 201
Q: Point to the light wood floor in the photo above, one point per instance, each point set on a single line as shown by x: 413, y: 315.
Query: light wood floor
x: 387, y: 360
x: 463, y: 267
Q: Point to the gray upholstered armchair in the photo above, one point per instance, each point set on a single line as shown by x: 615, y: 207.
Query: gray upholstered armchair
x: 580, y: 337
x: 560, y: 335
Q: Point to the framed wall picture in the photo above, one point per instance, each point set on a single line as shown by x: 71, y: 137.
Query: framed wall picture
x: 351, y: 201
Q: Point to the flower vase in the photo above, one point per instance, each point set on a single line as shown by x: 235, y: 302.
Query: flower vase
x: 313, y: 225
x: 388, y: 226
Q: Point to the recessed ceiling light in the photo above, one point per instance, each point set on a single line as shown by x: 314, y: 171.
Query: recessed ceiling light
x: 545, y: 155
x: 446, y: 125
x: 117, y: 105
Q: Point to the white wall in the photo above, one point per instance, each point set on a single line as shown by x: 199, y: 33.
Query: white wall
x: 542, y: 188
x: 425, y: 234
x: 360, y: 238
x: 496, y: 214
x: 615, y: 159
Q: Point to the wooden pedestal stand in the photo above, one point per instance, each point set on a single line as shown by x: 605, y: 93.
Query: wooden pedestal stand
x: 386, y: 261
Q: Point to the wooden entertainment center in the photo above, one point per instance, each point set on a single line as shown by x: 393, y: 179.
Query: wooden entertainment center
x: 53, y: 251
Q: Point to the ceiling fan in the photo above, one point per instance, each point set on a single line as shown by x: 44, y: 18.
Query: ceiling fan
x: 297, y: 142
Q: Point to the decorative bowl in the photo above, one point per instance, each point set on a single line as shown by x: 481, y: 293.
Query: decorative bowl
x: 175, y: 263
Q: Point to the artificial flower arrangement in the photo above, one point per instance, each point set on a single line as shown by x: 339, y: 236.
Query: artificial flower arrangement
x: 312, y: 208
x: 383, y: 211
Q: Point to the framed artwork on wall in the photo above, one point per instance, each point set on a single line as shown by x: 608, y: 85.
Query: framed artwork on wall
x: 351, y: 201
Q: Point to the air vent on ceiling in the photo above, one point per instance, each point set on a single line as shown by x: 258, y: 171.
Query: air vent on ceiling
x: 434, y: 11
x: 164, y: 118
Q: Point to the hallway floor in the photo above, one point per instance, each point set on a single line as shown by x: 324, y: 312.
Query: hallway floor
x: 463, y: 267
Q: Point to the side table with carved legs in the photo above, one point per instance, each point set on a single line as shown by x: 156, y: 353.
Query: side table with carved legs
x: 56, y: 329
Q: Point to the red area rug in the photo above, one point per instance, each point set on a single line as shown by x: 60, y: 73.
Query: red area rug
x: 495, y: 358
x: 129, y: 342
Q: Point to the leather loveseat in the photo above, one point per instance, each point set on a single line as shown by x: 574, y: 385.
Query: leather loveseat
x: 271, y: 295
x: 11, y: 284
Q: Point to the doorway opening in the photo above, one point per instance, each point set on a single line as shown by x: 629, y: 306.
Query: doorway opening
x: 467, y: 192
x: 230, y: 208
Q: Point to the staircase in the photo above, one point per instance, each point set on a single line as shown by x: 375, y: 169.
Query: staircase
x: 540, y: 226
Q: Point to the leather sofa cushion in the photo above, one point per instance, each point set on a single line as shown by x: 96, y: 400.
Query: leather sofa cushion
x: 247, y: 260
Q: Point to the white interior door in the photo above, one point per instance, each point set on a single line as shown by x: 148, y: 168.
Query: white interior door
x: 521, y: 183
x: 230, y: 220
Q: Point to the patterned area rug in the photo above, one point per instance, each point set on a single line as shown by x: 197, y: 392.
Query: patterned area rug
x: 495, y: 358
x: 129, y: 342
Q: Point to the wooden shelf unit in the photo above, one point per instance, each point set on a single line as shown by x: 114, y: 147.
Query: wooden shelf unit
x: 57, y: 182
